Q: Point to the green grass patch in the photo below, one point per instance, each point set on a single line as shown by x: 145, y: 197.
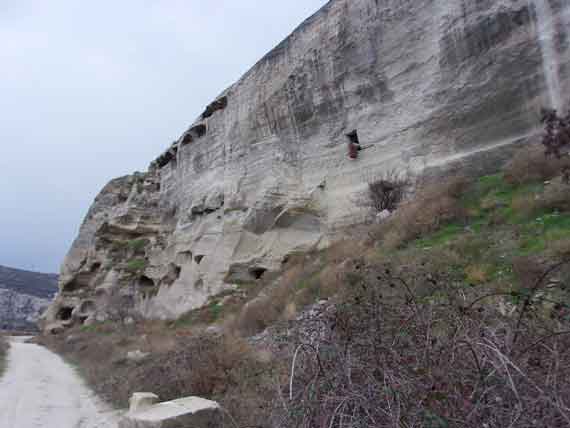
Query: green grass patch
x: 215, y: 310
x: 138, y: 244
x: 136, y: 265
x: 492, y: 197
x: 102, y: 328
x: 442, y: 237
x: 543, y: 231
x: 117, y: 246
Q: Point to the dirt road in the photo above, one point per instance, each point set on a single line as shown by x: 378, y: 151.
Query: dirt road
x: 39, y: 390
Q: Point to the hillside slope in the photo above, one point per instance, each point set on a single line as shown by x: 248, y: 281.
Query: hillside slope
x: 452, y: 313
x: 23, y: 296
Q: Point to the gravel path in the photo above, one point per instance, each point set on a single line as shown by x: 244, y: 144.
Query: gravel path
x: 39, y: 390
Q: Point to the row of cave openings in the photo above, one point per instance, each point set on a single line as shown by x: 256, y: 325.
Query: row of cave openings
x: 144, y: 283
x: 193, y: 134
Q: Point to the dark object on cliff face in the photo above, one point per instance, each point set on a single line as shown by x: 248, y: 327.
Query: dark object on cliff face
x: 219, y: 104
x: 353, y: 145
x: 556, y: 140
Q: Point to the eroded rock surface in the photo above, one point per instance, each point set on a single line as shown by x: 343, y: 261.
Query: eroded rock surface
x: 265, y: 171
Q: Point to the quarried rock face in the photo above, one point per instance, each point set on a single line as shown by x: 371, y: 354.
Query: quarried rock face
x: 266, y: 170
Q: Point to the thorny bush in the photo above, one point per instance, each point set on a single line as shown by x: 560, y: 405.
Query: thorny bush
x: 387, y: 191
x: 413, y: 348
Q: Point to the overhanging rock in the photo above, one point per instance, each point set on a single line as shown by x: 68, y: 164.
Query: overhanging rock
x: 186, y: 412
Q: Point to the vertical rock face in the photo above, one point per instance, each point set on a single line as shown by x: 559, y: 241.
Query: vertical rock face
x: 23, y: 296
x: 265, y: 171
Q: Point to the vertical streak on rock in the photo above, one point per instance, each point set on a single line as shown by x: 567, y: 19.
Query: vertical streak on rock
x: 545, y: 31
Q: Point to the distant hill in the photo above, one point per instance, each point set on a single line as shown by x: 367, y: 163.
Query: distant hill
x: 35, y: 284
x: 23, y: 297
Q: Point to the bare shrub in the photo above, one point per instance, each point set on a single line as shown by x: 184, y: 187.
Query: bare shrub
x: 557, y: 132
x: 412, y: 350
x: 433, y: 206
x: 386, y: 192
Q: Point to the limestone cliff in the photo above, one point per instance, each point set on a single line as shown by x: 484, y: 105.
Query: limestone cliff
x: 264, y: 171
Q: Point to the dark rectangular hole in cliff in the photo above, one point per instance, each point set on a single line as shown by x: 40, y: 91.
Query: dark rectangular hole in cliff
x: 198, y: 259
x: 198, y: 131
x: 353, y: 137
x: 187, y: 139
x: 164, y: 159
x: 64, y: 314
x: 145, y: 282
x: 257, y: 272
x: 219, y: 104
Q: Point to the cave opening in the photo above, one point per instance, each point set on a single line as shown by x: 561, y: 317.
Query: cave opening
x: 219, y: 104
x: 198, y: 131
x: 177, y: 271
x: 353, y: 137
x: 187, y: 139
x: 145, y: 282
x: 198, y: 259
x: 257, y: 272
x: 64, y: 313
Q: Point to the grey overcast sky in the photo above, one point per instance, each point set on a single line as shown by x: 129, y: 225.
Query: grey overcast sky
x: 92, y: 90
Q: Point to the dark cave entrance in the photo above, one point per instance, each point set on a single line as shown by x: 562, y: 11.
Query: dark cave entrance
x: 64, y: 313
x: 257, y: 272
x: 353, y: 137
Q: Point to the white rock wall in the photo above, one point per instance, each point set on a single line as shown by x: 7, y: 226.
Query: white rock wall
x: 427, y: 84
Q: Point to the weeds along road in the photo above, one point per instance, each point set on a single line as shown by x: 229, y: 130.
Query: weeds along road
x: 39, y: 390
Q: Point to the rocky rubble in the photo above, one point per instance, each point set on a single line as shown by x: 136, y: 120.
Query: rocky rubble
x: 264, y: 172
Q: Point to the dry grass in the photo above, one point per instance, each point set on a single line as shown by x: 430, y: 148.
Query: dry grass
x: 433, y: 206
x: 181, y: 363
x: 305, y: 280
x: 556, y: 196
x: 530, y: 164
x: 526, y: 205
x: 477, y: 274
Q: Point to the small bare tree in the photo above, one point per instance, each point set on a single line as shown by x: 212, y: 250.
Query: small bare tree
x: 557, y: 133
x: 385, y: 192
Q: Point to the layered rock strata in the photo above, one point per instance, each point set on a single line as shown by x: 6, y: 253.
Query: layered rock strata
x: 264, y: 171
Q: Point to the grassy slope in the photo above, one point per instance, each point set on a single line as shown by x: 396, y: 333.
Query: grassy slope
x: 485, y: 252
